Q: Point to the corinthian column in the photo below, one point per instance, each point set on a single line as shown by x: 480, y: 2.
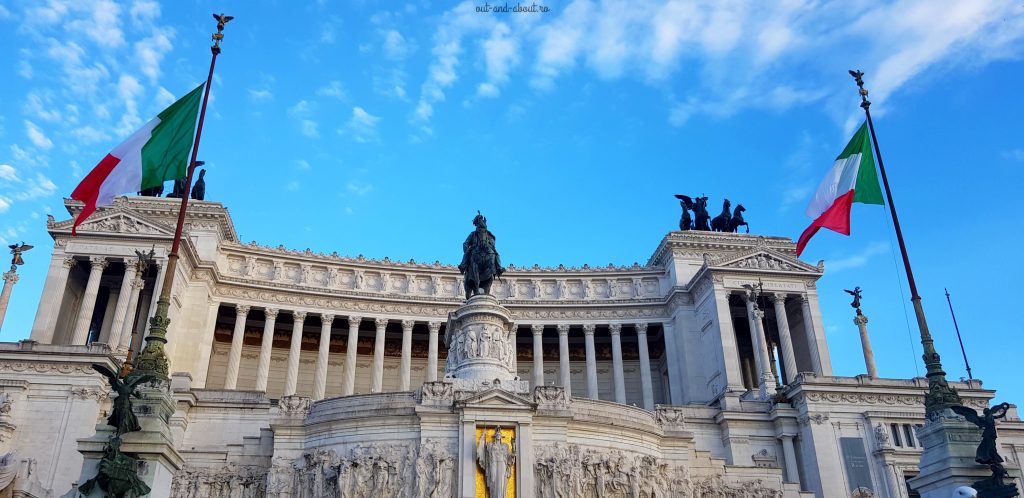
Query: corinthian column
x: 645, y: 367
x: 291, y: 382
x: 348, y: 387
x: 563, y: 359
x: 128, y: 326
x: 588, y: 338
x: 538, y: 354
x: 767, y: 379
x: 320, y: 375
x: 434, y: 328
x: 861, y: 321
x: 812, y: 339
x: 121, y: 310
x: 235, y: 356
x: 405, y: 366
x: 788, y: 358
x: 617, y: 369
x: 49, y: 306
x: 378, y: 356
x: 81, y: 335
x: 10, y: 278
x: 266, y: 347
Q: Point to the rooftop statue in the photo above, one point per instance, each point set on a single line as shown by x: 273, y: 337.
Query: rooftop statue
x: 856, y: 298
x: 481, y: 263
x: 700, y: 212
x: 987, y: 453
x: 199, y: 189
x: 16, y: 250
x: 722, y: 222
x: 737, y: 220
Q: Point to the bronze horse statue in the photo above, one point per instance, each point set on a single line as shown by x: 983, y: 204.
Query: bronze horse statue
x: 722, y: 222
x: 737, y: 220
x: 481, y: 263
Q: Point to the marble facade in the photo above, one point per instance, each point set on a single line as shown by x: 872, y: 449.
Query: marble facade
x: 306, y: 374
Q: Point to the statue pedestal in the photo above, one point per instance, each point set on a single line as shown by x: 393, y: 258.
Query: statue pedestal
x: 947, y: 462
x: 152, y: 446
x: 481, y: 347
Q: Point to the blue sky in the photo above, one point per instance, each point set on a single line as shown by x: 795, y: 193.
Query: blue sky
x: 379, y: 128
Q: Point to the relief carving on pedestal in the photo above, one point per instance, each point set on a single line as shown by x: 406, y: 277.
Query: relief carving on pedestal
x: 371, y: 471
x: 551, y: 398
x: 231, y: 481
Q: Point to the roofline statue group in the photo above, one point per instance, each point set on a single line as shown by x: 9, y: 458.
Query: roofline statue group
x: 702, y: 221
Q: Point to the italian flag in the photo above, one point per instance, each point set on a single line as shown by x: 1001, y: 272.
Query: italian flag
x: 155, y: 153
x: 852, y: 179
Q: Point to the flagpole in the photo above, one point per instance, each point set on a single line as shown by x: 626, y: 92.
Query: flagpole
x: 958, y: 338
x: 940, y: 394
x: 152, y: 359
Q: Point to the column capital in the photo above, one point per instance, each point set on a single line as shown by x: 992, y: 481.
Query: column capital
x: 749, y: 296
x: 271, y: 313
x: 98, y: 261
x: 641, y: 328
x: 804, y: 299
x: 758, y: 314
x: 138, y: 283
x: 380, y: 322
x: 69, y: 262
x: 779, y: 298
x: 588, y: 328
x: 434, y: 327
x: 408, y: 324
x: 563, y: 329
x: 615, y: 328
x: 299, y: 315
x: 242, y: 309
x: 537, y: 328
x: 327, y: 318
x: 354, y: 321
x: 860, y: 320
x: 11, y: 277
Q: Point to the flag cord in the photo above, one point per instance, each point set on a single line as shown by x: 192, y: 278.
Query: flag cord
x: 903, y: 301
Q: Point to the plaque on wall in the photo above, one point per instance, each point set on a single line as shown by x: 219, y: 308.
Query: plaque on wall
x: 855, y: 461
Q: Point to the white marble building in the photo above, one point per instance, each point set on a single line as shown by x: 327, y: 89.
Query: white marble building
x: 306, y: 374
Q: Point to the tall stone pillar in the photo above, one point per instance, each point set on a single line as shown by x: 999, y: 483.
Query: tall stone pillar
x: 674, y: 363
x: 378, y: 356
x: 161, y: 269
x: 754, y: 341
x: 322, y: 357
x: 434, y: 328
x: 266, y: 348
x: 861, y: 321
x: 538, y: 354
x: 789, y: 454
x: 49, y: 305
x: 121, y: 309
x: 128, y: 326
x: 811, y: 337
x: 405, y: 366
x: 351, y: 345
x: 767, y: 378
x: 788, y: 357
x: 10, y: 278
x: 588, y: 335
x: 81, y: 334
x: 563, y: 359
x: 237, y: 338
x: 291, y: 382
x: 646, y: 386
x: 617, y: 371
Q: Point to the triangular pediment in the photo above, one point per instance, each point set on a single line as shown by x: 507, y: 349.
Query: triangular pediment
x: 765, y: 260
x: 496, y: 397
x: 117, y: 220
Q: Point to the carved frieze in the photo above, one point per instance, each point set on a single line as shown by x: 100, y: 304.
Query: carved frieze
x: 229, y: 481
x: 294, y: 406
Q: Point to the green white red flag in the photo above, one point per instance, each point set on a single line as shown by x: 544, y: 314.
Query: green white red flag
x: 155, y: 153
x: 852, y: 179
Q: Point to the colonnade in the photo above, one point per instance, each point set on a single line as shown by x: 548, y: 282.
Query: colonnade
x: 377, y: 369
x: 759, y: 340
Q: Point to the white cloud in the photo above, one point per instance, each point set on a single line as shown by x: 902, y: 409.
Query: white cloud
x: 36, y: 106
x: 292, y: 186
x: 260, y: 95
x: 36, y: 136
x: 128, y: 91
x: 362, y: 125
x: 501, y: 54
x: 39, y: 186
x: 334, y: 89
x: 9, y: 174
x: 308, y: 127
x: 5, y: 204
x: 102, y: 23
x: 390, y: 83
x: 395, y: 46
x: 302, y: 165
x: 301, y: 109
x: 357, y: 187
x: 857, y: 260
x: 163, y: 98
x: 144, y: 11
x: 150, y: 52
x: 89, y: 135
x: 1014, y: 154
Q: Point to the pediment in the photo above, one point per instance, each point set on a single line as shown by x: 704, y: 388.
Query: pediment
x: 765, y: 260
x: 496, y: 397
x: 116, y: 220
